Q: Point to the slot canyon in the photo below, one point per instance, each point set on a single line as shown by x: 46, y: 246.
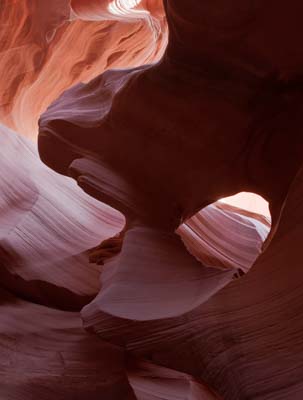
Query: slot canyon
x: 151, y: 168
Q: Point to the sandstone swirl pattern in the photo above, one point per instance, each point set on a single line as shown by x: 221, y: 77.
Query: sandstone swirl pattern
x: 154, y: 135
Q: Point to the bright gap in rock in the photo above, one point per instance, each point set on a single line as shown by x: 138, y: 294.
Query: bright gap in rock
x: 250, y: 202
x: 228, y: 233
x: 122, y: 7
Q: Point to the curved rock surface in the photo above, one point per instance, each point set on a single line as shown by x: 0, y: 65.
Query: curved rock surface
x: 47, y: 225
x: 46, y: 354
x: 41, y: 262
x: 158, y: 270
x: 37, y: 36
x: 245, y: 341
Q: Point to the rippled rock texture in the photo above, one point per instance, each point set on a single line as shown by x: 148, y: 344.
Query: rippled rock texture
x: 124, y: 123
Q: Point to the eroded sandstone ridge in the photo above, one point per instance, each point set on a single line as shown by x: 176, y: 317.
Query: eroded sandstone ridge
x: 157, y: 111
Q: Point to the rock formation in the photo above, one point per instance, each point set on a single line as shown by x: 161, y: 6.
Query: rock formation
x: 132, y: 280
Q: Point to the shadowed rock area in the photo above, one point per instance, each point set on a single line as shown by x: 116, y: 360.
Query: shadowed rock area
x: 122, y: 274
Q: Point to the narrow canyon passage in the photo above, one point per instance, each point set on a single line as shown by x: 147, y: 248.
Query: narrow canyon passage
x: 150, y: 200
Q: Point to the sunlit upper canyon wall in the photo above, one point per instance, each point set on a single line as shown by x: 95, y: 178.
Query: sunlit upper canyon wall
x: 150, y: 200
x: 47, y: 47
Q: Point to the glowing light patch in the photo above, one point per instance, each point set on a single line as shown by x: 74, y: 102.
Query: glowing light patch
x: 250, y: 202
x: 123, y: 7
